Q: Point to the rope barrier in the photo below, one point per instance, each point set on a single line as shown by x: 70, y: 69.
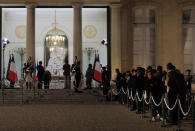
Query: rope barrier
x: 124, y: 91
x: 133, y: 99
x: 116, y: 93
x: 130, y: 96
x: 185, y: 114
x: 171, y: 107
x: 148, y: 101
x: 138, y: 97
x: 155, y: 102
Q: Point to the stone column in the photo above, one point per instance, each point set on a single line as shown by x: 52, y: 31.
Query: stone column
x: 30, y: 32
x: 169, y: 35
x: 77, y: 35
x: 126, y: 37
x: 115, y: 38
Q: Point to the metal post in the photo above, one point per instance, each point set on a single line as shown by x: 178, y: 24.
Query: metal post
x: 143, y: 113
x: 150, y: 106
x: 3, y: 81
x: 127, y: 98
x: 193, y: 112
x: 111, y: 94
x: 163, y: 111
x: 178, y: 116
x: 137, y: 102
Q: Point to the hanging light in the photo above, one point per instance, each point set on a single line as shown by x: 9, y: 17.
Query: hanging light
x: 55, y: 37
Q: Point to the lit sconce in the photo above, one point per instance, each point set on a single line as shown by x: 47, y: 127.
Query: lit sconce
x: 89, y: 52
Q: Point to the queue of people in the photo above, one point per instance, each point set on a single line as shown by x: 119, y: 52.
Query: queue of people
x: 156, y: 83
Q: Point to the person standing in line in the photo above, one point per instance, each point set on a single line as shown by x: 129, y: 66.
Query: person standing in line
x: 171, y: 93
x: 188, y: 80
x: 77, y: 76
x: 66, y: 68
x: 132, y: 87
x: 40, y: 73
x: 89, y: 76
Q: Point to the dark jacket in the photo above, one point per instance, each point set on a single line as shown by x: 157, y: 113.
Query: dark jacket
x: 89, y: 74
x: 105, y: 77
x: 40, y: 73
x: 66, y: 68
x: 47, y: 76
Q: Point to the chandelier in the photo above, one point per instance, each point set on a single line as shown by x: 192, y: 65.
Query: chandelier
x: 55, y: 37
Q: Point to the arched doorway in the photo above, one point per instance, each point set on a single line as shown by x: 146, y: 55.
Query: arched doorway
x: 55, y: 51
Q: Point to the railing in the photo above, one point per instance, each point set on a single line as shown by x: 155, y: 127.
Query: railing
x: 189, y: 113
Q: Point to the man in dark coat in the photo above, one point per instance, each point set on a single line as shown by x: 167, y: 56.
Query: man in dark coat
x: 132, y: 87
x: 105, y: 80
x: 89, y: 76
x: 140, y: 84
x: 77, y: 76
x: 118, y: 79
x: 154, y: 85
x: 172, y: 93
x: 66, y: 68
x: 46, y: 79
x: 40, y: 73
x: 188, y: 80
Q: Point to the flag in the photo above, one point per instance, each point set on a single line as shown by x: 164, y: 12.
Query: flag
x: 36, y: 71
x: 8, y: 67
x: 97, y: 69
x: 12, y: 74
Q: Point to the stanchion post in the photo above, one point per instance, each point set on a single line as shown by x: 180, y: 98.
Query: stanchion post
x: 178, y: 115
x: 163, y: 111
x: 193, y: 112
x: 111, y: 94
x: 150, y: 105
x: 143, y: 108
x: 21, y: 85
x: 127, y: 98
x: 3, y: 81
x: 136, y: 102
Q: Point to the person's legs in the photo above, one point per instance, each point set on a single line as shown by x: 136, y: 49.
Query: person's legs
x: 68, y: 82
x: 64, y: 82
x: 27, y: 85
x: 172, y: 114
x: 154, y: 112
x: 77, y: 84
x: 90, y: 80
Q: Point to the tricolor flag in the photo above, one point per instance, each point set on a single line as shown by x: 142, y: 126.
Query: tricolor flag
x: 11, y: 71
x: 36, y: 71
x: 8, y: 67
x: 97, y: 69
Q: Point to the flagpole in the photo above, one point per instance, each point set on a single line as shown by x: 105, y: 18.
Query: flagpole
x: 5, y: 42
x: 3, y: 81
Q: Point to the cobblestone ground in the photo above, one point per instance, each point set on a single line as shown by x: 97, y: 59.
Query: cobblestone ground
x: 73, y: 118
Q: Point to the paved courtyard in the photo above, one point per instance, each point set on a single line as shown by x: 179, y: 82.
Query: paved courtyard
x: 53, y: 117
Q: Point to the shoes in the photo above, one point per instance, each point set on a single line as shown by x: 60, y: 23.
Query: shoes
x: 153, y: 119
x: 161, y: 119
x: 133, y: 109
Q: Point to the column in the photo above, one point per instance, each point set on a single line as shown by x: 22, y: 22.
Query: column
x: 126, y: 38
x: 30, y: 31
x: 77, y: 32
x: 115, y: 38
x: 169, y: 36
